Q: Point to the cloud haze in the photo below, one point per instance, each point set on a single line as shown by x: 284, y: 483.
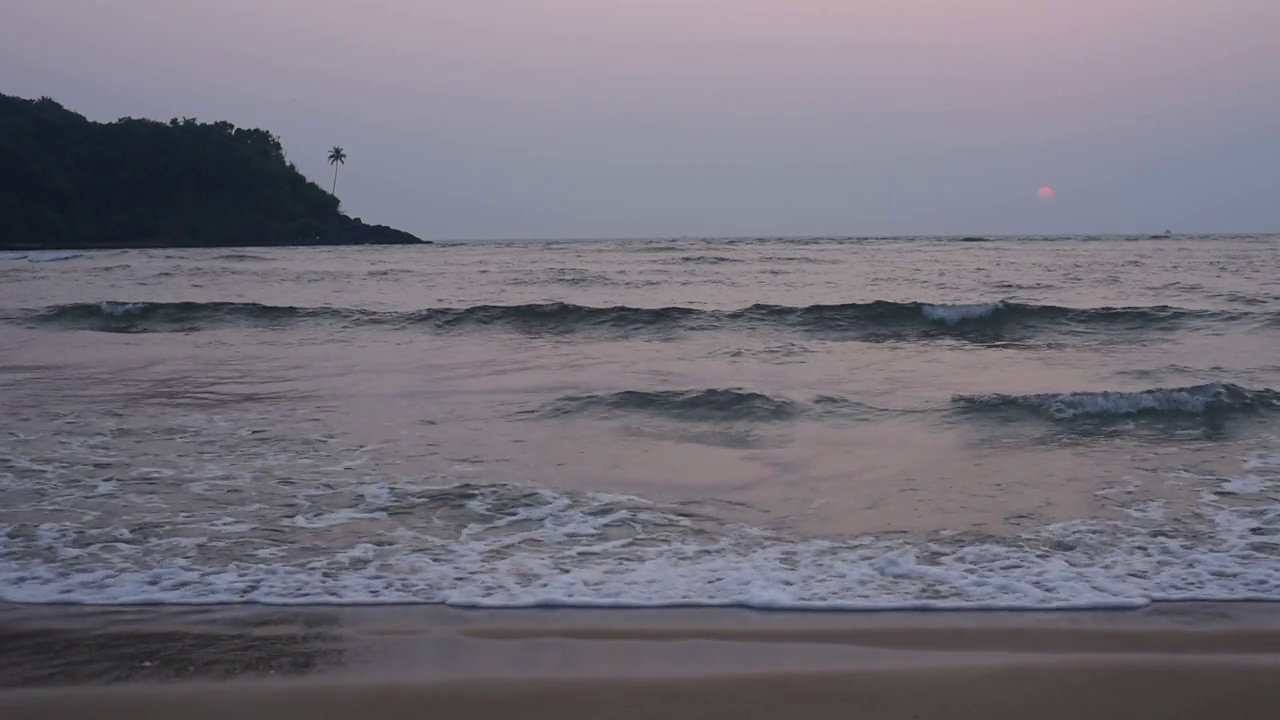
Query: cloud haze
x: 572, y: 118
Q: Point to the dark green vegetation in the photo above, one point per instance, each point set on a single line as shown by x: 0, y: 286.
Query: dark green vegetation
x: 68, y: 182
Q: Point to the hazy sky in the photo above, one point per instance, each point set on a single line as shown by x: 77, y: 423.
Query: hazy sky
x: 642, y: 118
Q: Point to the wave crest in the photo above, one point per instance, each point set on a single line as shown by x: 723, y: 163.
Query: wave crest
x: 874, y: 321
x: 179, y: 316
x: 716, y: 404
x: 561, y: 317
x: 1211, y: 398
x: 956, y: 314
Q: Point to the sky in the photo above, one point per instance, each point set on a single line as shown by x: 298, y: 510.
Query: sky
x: 472, y: 119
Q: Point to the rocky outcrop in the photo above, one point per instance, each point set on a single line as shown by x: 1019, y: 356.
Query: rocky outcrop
x: 68, y: 183
x: 354, y: 231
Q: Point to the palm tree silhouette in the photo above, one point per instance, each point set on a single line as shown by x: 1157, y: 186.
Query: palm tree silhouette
x: 337, y: 156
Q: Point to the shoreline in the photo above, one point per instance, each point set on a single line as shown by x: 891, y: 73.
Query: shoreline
x: 395, y: 661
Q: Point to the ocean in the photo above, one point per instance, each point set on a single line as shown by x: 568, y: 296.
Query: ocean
x: 778, y: 423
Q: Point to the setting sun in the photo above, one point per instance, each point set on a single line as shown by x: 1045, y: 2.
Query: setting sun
x: 1046, y: 194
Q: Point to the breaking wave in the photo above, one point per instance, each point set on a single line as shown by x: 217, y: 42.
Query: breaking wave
x: 722, y: 405
x: 879, y: 320
x: 512, y: 546
x: 179, y: 316
x: 959, y: 317
x: 1212, y: 398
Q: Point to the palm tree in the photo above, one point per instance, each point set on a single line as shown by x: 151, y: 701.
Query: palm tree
x: 337, y: 156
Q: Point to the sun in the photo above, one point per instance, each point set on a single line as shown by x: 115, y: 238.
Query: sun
x: 1046, y: 194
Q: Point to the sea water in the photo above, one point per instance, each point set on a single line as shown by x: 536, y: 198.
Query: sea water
x: 767, y: 422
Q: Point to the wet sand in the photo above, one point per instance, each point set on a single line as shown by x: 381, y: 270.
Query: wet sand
x: 1173, y: 660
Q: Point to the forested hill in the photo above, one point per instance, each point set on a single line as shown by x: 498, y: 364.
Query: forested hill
x: 67, y: 182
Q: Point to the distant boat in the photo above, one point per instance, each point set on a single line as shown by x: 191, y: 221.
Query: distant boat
x: 1165, y: 234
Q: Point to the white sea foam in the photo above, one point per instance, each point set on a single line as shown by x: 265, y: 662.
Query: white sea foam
x: 1245, y: 485
x: 267, y: 520
x: 1131, y: 403
x: 1148, y: 510
x: 1262, y: 460
x: 511, y: 546
x: 954, y: 314
x: 119, y: 309
x: 1195, y: 400
x: 330, y: 519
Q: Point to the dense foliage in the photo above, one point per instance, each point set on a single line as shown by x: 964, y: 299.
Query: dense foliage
x: 68, y: 182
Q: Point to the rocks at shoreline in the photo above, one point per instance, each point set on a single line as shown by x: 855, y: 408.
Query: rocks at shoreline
x: 354, y: 231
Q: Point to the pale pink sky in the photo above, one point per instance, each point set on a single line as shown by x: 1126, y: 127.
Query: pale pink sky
x: 552, y: 118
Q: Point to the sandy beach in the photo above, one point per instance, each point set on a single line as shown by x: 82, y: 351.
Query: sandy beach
x: 1173, y: 660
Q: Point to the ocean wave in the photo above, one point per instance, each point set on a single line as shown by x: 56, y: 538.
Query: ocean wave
x: 717, y: 404
x: 260, y: 517
x: 701, y: 260
x: 241, y: 257
x: 713, y: 405
x: 1211, y: 398
x: 879, y: 320
x: 53, y: 257
x: 796, y: 259
x: 975, y: 316
x: 649, y: 247
x: 179, y: 316
x: 551, y: 317
x: 188, y: 316
x: 956, y: 314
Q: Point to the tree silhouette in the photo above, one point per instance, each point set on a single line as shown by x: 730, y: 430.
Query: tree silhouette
x: 337, y: 156
x: 67, y: 182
